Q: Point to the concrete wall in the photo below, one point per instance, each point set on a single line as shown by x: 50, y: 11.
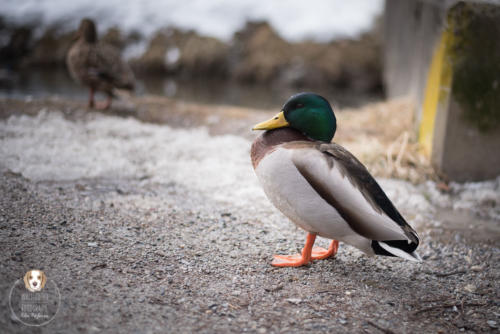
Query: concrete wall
x: 445, y: 55
x: 410, y: 32
x: 462, y: 152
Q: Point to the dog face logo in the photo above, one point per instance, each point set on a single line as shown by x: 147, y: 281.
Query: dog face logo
x: 34, y: 280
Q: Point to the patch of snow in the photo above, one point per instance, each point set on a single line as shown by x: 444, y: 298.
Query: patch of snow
x: 172, y: 55
x: 135, y: 50
x: 293, y: 19
x: 49, y: 147
x: 481, y: 197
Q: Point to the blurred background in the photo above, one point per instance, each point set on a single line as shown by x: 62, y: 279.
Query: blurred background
x: 229, y: 52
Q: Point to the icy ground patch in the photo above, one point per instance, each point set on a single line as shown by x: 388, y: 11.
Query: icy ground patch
x: 49, y: 147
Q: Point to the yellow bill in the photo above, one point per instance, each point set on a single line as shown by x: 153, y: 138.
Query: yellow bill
x: 277, y: 121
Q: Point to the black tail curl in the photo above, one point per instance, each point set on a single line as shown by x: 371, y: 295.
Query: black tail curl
x: 400, y: 244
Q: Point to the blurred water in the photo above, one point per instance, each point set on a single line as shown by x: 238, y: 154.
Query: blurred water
x: 57, y: 82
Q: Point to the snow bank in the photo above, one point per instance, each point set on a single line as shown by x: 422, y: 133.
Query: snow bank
x: 293, y: 19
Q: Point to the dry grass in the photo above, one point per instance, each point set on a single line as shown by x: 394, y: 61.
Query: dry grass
x: 383, y: 137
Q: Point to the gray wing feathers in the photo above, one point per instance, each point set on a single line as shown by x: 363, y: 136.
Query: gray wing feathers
x: 343, y: 182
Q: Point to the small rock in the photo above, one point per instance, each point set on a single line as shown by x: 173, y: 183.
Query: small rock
x: 295, y: 301
x: 92, y: 244
x: 94, y: 329
x: 343, y: 321
x: 17, y: 258
x: 470, y: 288
x: 492, y: 323
x: 476, y: 268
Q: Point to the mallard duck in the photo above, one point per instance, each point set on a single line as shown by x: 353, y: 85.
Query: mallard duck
x: 323, y: 188
x: 97, y: 65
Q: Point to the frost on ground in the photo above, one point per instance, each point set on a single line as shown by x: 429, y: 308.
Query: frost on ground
x: 48, y: 147
x: 150, y: 228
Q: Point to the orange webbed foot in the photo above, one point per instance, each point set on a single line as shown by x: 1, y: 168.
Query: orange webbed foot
x: 319, y: 253
x: 295, y: 260
x: 308, y: 253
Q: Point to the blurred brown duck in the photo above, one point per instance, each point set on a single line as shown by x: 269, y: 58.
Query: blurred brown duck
x: 97, y: 65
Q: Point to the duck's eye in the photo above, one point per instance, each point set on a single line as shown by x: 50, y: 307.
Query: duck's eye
x: 300, y: 105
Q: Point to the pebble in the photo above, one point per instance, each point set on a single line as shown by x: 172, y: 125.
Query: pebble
x: 343, y: 321
x: 94, y: 329
x: 492, y: 323
x: 295, y: 301
x: 470, y: 288
x: 476, y: 268
x: 92, y: 244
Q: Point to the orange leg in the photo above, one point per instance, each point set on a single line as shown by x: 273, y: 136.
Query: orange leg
x: 319, y: 253
x: 308, y: 254
x: 91, y: 98
x: 296, y: 260
x: 106, y: 104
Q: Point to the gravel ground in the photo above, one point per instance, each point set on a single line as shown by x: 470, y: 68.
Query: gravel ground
x: 133, y: 255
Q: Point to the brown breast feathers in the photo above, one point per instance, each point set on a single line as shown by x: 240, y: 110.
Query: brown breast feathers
x: 269, y: 140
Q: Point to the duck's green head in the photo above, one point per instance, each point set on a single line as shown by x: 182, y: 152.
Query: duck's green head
x: 309, y: 113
